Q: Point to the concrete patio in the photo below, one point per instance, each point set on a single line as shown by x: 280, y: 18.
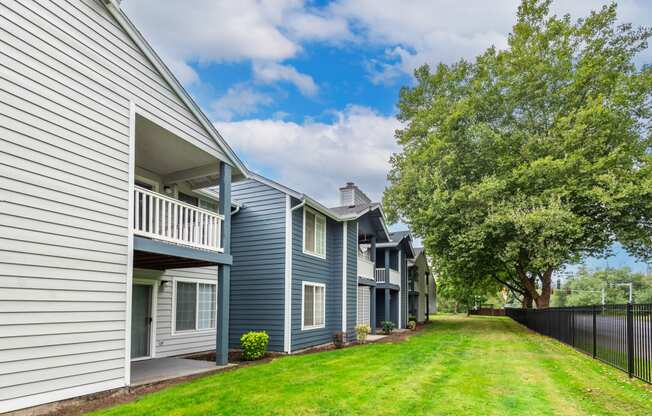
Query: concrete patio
x: 160, y: 369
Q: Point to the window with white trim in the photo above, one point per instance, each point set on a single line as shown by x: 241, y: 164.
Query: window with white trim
x: 314, y: 233
x: 313, y: 305
x: 195, y: 306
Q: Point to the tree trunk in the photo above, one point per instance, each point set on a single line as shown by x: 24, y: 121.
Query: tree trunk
x: 529, y: 287
x: 543, y: 300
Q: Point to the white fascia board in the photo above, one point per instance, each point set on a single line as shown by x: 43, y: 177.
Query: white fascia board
x: 113, y: 7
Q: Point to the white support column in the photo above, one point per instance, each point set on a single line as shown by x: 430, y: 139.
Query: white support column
x: 287, y: 332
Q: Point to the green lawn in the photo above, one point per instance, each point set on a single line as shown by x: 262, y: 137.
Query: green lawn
x: 457, y: 366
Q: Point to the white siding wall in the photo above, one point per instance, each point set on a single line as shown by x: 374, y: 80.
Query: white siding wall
x: 167, y: 344
x: 67, y: 74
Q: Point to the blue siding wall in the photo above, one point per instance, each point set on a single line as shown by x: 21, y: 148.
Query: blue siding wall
x: 258, y: 272
x: 313, y: 269
x: 352, y: 279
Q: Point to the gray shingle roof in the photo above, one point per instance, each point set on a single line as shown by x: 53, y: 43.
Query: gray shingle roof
x: 352, y: 210
x: 398, y: 235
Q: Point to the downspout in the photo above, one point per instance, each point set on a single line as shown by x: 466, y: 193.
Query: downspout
x: 287, y: 332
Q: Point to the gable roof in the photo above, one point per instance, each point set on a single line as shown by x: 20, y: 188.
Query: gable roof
x: 113, y: 6
x: 337, y: 214
x: 397, y: 238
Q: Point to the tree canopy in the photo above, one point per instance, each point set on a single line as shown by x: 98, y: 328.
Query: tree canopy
x: 531, y: 157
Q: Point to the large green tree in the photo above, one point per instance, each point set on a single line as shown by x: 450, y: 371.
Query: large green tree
x: 530, y: 157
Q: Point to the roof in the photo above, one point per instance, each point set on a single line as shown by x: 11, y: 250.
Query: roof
x: 397, y: 238
x: 355, y: 209
x: 399, y: 235
x: 417, y: 251
x: 113, y: 6
x: 346, y: 213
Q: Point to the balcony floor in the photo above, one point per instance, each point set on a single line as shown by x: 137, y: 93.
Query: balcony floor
x: 161, y: 255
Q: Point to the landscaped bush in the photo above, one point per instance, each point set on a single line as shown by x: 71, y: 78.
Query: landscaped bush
x: 412, y: 318
x: 412, y: 325
x: 254, y: 345
x: 388, y: 327
x: 339, y: 339
x: 361, y: 332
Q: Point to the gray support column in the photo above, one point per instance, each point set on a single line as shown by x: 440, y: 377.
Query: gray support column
x: 387, y: 305
x: 372, y: 310
x: 373, y: 250
x: 224, y: 270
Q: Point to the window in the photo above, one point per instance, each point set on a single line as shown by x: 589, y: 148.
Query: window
x: 313, y: 305
x: 189, y: 199
x: 195, y: 307
x: 314, y: 233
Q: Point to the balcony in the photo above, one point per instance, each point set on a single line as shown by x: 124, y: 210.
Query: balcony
x: 365, y: 268
x: 390, y: 276
x: 159, y: 217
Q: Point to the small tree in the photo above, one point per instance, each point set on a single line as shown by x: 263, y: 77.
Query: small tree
x: 531, y: 157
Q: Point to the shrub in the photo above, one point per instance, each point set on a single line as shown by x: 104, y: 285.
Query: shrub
x: 254, y: 345
x: 412, y: 318
x: 388, y: 327
x: 361, y: 332
x: 412, y: 325
x: 339, y: 339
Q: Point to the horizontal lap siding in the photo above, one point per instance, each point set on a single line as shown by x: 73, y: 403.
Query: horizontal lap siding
x: 67, y: 74
x: 351, y: 279
x: 313, y: 269
x: 258, y: 272
x: 166, y: 343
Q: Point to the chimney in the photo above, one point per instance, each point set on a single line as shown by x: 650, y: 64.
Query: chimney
x: 351, y: 195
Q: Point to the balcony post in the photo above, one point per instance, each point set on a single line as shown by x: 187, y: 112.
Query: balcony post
x: 373, y: 250
x: 224, y: 270
x: 372, y: 310
x: 387, y: 315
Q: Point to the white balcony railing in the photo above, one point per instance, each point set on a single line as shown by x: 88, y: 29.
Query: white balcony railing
x: 388, y: 276
x: 366, y: 268
x: 159, y: 217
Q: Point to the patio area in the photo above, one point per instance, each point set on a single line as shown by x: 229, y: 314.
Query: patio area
x: 160, y: 369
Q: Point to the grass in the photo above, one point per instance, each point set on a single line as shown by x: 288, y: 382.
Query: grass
x: 458, y: 365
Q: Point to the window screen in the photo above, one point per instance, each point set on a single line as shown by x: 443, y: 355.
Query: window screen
x: 186, y: 311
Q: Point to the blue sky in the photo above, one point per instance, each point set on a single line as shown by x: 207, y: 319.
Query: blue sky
x: 306, y: 91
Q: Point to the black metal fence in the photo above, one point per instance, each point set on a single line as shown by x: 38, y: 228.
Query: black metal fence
x: 619, y: 335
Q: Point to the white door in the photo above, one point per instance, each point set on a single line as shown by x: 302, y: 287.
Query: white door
x: 364, y: 297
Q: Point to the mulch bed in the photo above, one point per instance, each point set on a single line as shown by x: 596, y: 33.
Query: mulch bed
x: 92, y: 402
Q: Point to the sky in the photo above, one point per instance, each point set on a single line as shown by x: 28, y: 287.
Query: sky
x: 306, y: 91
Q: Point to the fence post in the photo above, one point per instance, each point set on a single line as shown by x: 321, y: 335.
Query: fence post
x: 630, y: 339
x: 572, y: 317
x: 595, y: 337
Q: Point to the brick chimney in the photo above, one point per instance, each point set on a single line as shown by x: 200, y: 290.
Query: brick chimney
x: 351, y: 195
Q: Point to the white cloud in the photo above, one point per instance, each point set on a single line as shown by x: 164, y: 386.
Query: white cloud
x: 318, y: 158
x: 239, y: 100
x: 313, y: 27
x: 207, y: 31
x: 270, y: 72
x: 215, y: 30
x: 425, y: 31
